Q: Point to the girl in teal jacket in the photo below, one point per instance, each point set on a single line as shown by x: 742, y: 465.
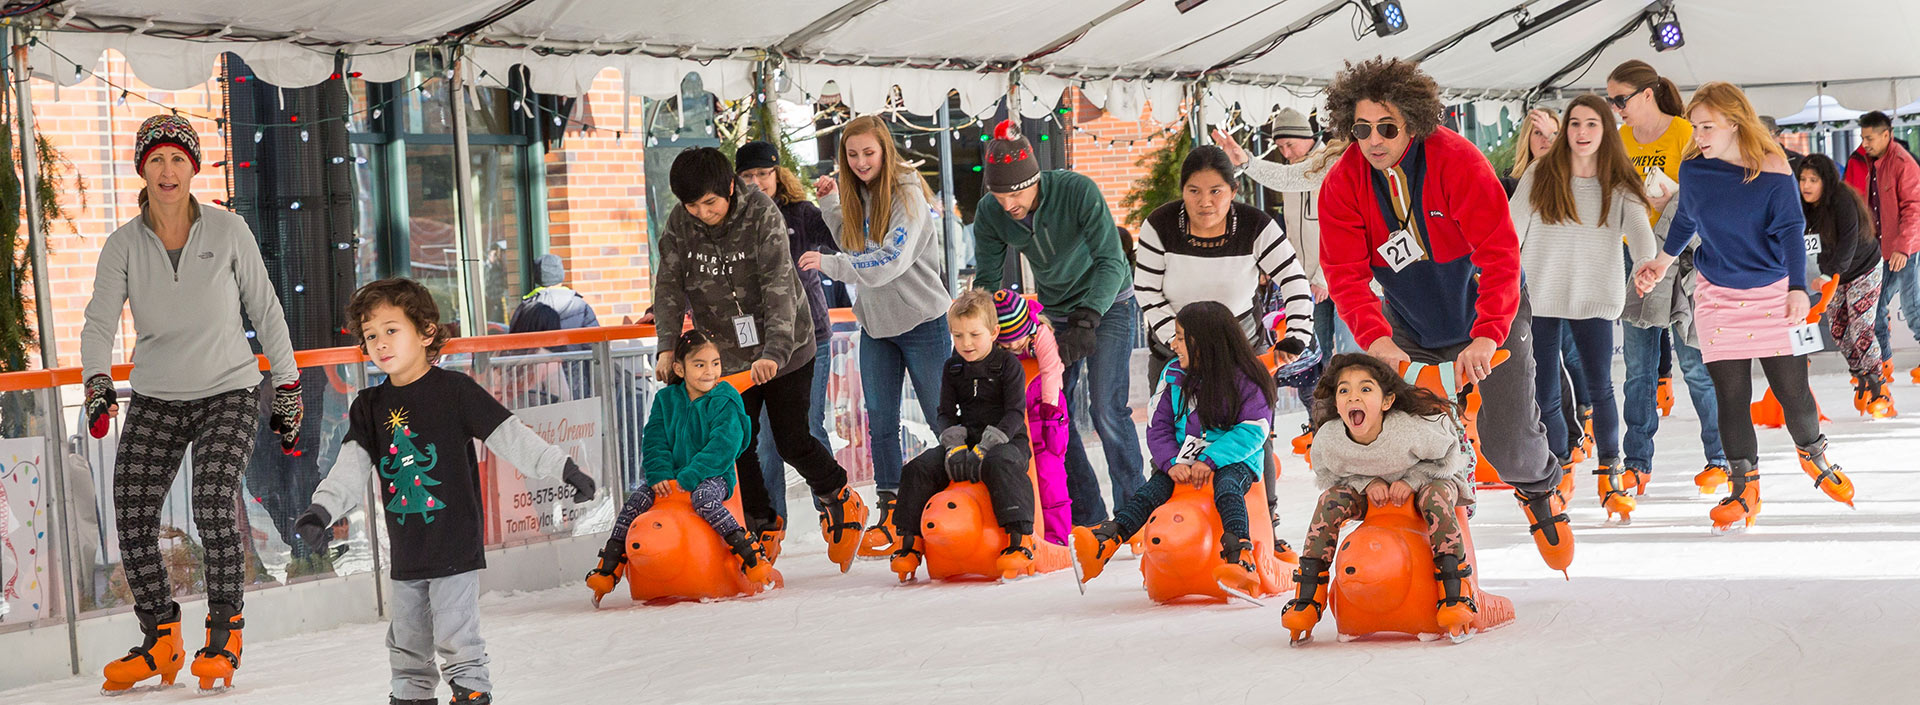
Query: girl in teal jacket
x: 697, y: 427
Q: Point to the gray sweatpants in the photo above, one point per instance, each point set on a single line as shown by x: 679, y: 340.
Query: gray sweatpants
x: 1511, y: 435
x: 436, y: 615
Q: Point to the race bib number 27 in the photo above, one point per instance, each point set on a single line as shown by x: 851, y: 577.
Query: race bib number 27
x: 1401, y: 250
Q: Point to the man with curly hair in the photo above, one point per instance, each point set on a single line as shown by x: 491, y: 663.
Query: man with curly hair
x: 1416, y: 208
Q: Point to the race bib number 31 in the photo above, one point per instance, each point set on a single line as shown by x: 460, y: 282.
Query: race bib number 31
x: 1401, y: 250
x: 744, y: 331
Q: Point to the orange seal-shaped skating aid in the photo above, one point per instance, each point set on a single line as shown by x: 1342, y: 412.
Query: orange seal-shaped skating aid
x: 1181, y: 546
x: 962, y: 540
x: 1440, y: 380
x: 672, y: 554
x: 1383, y: 579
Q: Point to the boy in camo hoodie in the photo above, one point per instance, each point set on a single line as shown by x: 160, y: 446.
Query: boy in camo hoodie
x: 724, y: 260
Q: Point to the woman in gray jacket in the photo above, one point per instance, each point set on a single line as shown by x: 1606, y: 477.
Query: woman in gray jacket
x: 188, y: 271
x: 881, y: 212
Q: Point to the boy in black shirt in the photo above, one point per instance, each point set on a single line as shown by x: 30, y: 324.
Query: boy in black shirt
x: 421, y: 424
x: 983, y: 438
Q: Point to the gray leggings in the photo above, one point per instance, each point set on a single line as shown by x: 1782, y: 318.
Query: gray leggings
x: 709, y: 501
x: 220, y: 429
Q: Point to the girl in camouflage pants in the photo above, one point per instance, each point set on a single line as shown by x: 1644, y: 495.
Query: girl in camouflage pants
x: 1382, y: 440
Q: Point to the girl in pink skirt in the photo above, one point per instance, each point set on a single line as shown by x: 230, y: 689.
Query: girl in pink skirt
x: 1740, y: 198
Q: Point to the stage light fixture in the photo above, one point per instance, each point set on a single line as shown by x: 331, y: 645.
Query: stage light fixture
x: 1184, y: 5
x: 1667, y: 35
x: 1389, y: 18
x: 1530, y: 25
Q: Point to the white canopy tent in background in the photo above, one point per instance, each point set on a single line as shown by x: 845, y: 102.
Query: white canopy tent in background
x: 1819, y: 110
x: 1125, y: 50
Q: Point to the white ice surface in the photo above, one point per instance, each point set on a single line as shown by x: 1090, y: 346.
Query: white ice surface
x: 1817, y: 604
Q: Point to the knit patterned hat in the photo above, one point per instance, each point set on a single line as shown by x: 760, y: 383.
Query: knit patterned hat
x: 162, y: 130
x: 1018, y: 317
x: 1010, y: 163
x: 1290, y: 123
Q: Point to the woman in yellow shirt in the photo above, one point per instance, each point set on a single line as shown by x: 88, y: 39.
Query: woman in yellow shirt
x: 1656, y: 137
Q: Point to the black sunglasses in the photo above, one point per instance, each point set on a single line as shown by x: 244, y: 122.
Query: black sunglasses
x: 1364, y: 130
x: 1619, y: 102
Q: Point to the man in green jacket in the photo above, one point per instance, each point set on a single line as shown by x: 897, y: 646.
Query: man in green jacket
x: 1060, y: 222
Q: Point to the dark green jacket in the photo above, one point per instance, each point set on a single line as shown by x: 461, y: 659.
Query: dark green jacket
x: 690, y: 440
x: 1075, y: 250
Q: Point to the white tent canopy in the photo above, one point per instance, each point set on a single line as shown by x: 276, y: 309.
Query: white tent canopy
x: 1124, y: 52
x: 1821, y: 109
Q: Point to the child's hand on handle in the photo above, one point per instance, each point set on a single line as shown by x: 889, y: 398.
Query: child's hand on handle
x: 663, y: 488
x: 1179, y: 473
x: 102, y: 404
x: 1399, y: 492
x: 1199, y: 473
x: 1387, y: 351
x: 1475, y: 362
x: 1378, y: 493
x: 582, y: 484
x: 288, y: 410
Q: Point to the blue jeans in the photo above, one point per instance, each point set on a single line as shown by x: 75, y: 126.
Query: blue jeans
x: 1905, y: 283
x: 886, y: 363
x: 1593, y: 337
x: 1640, y: 410
x: 773, y: 470
x: 1330, y: 333
x: 1106, y: 370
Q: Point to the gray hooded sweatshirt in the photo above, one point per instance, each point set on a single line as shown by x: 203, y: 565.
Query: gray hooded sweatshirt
x: 191, y: 343
x: 900, y: 282
x: 1418, y: 449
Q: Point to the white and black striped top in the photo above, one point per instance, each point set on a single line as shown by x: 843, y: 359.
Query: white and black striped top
x: 1176, y: 269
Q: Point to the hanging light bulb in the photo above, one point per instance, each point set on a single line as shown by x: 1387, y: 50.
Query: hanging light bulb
x: 303, y: 135
x: 376, y: 113
x: 339, y: 160
x: 299, y: 288
x: 259, y: 134
x: 294, y: 205
x: 122, y: 100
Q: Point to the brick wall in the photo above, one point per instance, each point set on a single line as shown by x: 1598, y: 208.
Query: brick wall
x: 1100, y: 149
x: 596, y: 196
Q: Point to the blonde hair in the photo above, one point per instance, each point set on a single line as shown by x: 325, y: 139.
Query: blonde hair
x: 1756, y: 144
x: 1523, y: 147
x: 857, y: 232
x: 976, y: 304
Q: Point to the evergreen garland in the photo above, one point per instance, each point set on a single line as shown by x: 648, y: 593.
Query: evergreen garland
x: 1161, y: 185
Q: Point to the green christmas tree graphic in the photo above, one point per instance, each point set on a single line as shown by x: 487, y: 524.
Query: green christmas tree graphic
x: 405, y: 469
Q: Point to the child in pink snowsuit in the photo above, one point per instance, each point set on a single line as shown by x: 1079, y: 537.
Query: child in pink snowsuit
x: 1024, y: 332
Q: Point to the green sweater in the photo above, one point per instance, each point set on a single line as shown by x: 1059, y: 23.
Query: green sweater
x: 1075, y: 250
x: 690, y: 440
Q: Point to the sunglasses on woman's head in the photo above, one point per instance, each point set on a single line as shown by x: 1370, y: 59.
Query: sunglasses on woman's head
x: 1364, y: 130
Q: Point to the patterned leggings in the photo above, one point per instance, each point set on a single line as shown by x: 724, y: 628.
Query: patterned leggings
x: 1230, y: 485
x: 157, y: 432
x: 1342, y: 503
x: 1850, y: 321
x: 709, y: 501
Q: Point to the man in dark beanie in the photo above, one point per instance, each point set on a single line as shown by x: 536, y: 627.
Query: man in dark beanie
x: 1061, y: 223
x: 1417, y: 209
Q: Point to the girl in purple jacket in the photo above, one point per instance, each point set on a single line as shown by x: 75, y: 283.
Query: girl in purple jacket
x: 1210, y: 423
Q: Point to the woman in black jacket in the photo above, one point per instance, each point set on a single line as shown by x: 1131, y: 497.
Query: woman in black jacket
x: 1840, y: 235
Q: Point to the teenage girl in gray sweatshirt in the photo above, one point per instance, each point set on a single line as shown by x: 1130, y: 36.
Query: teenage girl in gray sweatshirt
x: 188, y: 271
x: 892, y: 253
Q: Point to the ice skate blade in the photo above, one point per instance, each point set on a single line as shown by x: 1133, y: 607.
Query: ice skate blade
x: 1461, y: 637
x: 1731, y: 530
x: 137, y: 689
x: 1613, y: 521
x: 1235, y: 592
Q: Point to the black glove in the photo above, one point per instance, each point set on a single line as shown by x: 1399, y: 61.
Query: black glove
x: 581, y: 483
x: 963, y: 464
x: 99, y: 397
x: 288, y: 410
x: 315, y: 527
x: 1077, y: 338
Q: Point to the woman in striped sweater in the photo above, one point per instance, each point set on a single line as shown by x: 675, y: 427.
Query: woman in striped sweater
x: 1208, y: 247
x: 1571, y: 210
